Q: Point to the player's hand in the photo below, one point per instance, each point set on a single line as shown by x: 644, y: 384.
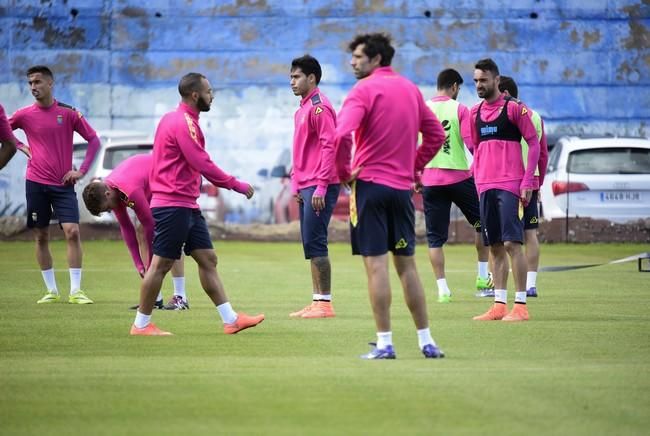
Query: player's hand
x: 353, y: 176
x: 141, y: 272
x: 526, y: 194
x: 71, y: 177
x: 298, y: 198
x: 417, y: 187
x: 318, y: 202
x: 26, y: 150
x: 249, y: 193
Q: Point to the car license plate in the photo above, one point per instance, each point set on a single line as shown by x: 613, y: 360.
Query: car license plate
x: 620, y: 196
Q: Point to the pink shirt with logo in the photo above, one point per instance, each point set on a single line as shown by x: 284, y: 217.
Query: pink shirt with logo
x: 313, y: 144
x: 131, y: 179
x: 179, y: 160
x: 498, y: 163
x: 50, y: 133
x: 6, y: 133
x: 386, y: 111
x: 446, y: 176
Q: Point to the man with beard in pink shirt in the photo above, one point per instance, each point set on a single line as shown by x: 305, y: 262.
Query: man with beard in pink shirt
x: 179, y: 161
x: 127, y: 187
x: 386, y: 111
x: 7, y: 140
x: 504, y: 184
x: 49, y: 126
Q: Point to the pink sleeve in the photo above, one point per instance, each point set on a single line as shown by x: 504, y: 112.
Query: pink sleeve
x: 520, y: 116
x: 128, y: 233
x: 6, y: 132
x: 433, y: 136
x: 199, y: 159
x: 472, y: 127
x: 323, y: 123
x: 82, y: 127
x: 349, y: 118
x: 344, y: 157
x: 15, y: 122
x: 543, y: 155
x: 465, y: 127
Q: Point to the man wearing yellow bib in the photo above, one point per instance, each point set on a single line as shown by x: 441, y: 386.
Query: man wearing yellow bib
x: 508, y: 86
x: 448, y: 179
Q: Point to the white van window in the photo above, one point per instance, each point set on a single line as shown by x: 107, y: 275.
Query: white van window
x: 628, y: 160
x: 115, y: 155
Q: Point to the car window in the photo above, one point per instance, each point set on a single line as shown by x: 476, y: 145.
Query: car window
x: 628, y: 160
x: 78, y: 154
x: 554, y: 158
x: 115, y: 155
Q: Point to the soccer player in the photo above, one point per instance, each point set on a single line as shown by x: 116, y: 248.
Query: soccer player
x: 504, y: 183
x: 179, y: 160
x: 447, y: 178
x: 508, y: 86
x: 127, y: 186
x: 314, y: 179
x: 386, y: 111
x: 49, y: 126
x: 7, y: 140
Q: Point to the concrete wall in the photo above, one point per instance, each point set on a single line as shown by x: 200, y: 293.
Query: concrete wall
x: 584, y: 65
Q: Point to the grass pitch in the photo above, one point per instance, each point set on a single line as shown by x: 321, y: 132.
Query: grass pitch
x: 581, y: 366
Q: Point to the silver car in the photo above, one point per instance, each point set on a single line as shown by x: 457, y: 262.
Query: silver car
x: 600, y: 178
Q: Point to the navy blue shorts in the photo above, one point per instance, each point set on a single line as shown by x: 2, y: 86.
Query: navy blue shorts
x: 42, y: 199
x: 386, y: 220
x: 178, y: 227
x: 437, y: 206
x: 313, y: 226
x: 500, y: 217
x: 531, y: 213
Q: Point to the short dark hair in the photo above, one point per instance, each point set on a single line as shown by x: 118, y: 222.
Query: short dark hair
x: 94, y: 196
x: 448, y: 77
x: 507, y: 83
x: 308, y: 65
x: 375, y: 44
x: 40, y: 69
x: 190, y: 83
x: 487, y: 64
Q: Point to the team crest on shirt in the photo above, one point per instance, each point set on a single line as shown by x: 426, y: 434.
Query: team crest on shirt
x: 59, y: 119
x: 524, y: 111
x: 318, y: 110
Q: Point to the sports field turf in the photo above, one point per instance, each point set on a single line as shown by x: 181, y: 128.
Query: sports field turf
x: 581, y: 366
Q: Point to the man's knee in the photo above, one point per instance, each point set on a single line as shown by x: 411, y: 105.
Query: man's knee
x: 512, y: 247
x: 42, y: 236
x: 71, y: 232
x: 206, y: 259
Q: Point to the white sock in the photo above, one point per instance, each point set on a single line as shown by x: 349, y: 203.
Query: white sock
x: 75, y: 280
x: 325, y: 297
x: 483, y: 270
x: 501, y: 296
x: 228, y: 316
x: 520, y: 297
x: 384, y: 339
x: 141, y: 320
x: 443, y: 289
x: 315, y: 296
x: 531, y: 279
x: 424, y: 338
x: 179, y: 287
x: 160, y: 296
x: 50, y: 280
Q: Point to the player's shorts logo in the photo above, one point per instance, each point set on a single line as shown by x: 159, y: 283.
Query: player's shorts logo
x: 401, y: 244
x: 534, y: 220
x: 477, y: 224
x: 34, y: 216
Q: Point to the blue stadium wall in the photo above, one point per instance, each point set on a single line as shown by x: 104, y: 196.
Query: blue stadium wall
x: 583, y: 64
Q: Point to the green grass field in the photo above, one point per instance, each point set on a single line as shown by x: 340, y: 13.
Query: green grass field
x: 581, y: 366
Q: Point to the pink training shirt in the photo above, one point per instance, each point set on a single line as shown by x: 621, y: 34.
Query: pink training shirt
x: 6, y: 133
x: 446, y: 176
x: 49, y: 133
x: 386, y: 112
x: 543, y: 158
x: 179, y: 160
x: 313, y: 144
x: 131, y: 179
x: 498, y: 163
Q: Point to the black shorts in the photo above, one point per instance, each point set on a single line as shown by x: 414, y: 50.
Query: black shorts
x: 385, y: 220
x: 313, y: 226
x: 177, y: 228
x: 500, y: 217
x: 437, y: 206
x: 42, y: 199
x: 531, y: 212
